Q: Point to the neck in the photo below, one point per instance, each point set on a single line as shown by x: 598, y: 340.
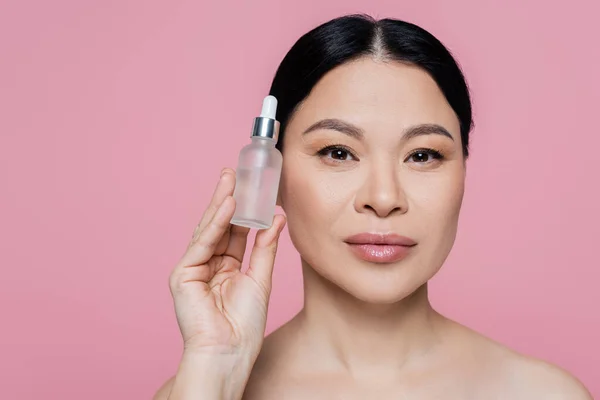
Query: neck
x: 358, y: 337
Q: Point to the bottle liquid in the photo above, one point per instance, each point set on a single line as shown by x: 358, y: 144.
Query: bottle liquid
x: 258, y: 172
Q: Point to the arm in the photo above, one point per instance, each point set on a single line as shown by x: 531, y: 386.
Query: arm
x: 210, y: 377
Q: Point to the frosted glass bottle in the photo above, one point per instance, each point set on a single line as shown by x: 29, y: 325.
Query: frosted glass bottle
x: 258, y: 172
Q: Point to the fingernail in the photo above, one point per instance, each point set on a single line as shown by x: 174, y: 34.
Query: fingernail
x: 223, y: 171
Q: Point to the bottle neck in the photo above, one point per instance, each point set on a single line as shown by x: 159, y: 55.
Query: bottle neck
x: 263, y: 141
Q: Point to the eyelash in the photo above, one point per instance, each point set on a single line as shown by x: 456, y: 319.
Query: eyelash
x: 323, y: 152
x: 436, y: 155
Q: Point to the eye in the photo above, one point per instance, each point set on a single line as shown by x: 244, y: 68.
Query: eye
x: 424, y: 156
x: 337, y: 153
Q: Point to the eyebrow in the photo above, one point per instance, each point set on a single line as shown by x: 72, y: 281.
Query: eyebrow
x: 357, y: 133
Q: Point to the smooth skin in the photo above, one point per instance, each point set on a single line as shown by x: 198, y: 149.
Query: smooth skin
x: 367, y: 330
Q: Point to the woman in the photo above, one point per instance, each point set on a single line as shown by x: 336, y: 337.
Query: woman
x: 375, y: 120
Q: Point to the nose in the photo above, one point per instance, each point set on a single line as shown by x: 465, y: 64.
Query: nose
x: 381, y: 192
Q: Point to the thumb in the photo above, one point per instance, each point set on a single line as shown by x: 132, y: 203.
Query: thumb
x: 263, y: 253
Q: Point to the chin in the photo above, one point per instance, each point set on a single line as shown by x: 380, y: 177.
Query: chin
x: 381, y: 284
x: 374, y: 293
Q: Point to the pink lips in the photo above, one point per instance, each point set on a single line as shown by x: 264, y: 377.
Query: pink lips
x: 380, y: 248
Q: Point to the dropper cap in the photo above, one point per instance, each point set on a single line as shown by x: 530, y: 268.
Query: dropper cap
x: 266, y: 125
x: 269, y: 107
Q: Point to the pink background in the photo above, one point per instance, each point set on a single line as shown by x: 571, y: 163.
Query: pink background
x: 117, y: 116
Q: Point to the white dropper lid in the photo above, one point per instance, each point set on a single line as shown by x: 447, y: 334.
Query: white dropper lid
x: 266, y: 125
x: 269, y: 107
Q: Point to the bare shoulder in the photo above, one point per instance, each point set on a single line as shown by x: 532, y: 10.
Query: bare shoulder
x: 164, y: 391
x: 534, y: 378
x: 518, y: 376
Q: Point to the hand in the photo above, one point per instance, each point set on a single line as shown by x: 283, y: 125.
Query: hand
x: 219, y: 308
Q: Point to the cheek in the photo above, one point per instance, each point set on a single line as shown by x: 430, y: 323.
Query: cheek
x: 437, y: 200
x: 312, y: 200
x: 301, y: 201
x: 435, y: 204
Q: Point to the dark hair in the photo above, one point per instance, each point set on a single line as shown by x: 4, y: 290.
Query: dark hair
x: 353, y: 36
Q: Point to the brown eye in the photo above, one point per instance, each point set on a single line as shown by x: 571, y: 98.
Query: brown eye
x: 339, y: 154
x: 424, y: 156
x: 336, y: 153
x: 420, y: 157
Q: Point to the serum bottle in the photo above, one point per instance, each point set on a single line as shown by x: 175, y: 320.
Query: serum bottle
x: 258, y: 172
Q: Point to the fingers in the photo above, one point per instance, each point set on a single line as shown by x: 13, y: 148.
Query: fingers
x: 181, y: 277
x: 224, y: 242
x: 263, y: 253
x: 208, y: 238
x: 238, y: 237
x: 224, y: 188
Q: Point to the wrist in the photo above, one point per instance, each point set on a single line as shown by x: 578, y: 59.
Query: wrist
x: 220, y: 375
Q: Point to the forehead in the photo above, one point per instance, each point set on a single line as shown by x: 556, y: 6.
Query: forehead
x: 374, y: 93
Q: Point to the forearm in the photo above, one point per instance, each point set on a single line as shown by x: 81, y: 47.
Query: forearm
x: 211, y: 377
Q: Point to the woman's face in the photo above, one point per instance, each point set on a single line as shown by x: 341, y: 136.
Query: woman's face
x: 375, y: 148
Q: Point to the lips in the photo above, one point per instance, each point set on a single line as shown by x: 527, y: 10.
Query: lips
x: 380, y: 248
